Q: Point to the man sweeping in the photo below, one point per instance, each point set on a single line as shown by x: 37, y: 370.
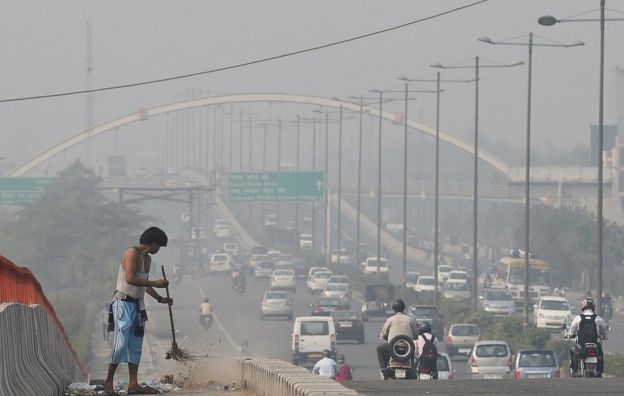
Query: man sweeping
x: 127, y: 313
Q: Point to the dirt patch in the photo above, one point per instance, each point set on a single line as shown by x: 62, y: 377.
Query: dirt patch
x: 210, y: 375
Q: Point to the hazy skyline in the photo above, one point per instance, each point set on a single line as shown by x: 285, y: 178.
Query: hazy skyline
x: 45, y: 52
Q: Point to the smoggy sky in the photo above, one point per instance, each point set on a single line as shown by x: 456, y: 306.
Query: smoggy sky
x: 43, y: 49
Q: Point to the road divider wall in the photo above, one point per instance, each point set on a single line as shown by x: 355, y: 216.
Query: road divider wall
x: 36, y: 357
x: 274, y: 377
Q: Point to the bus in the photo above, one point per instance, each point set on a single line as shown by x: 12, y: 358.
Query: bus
x: 510, y: 275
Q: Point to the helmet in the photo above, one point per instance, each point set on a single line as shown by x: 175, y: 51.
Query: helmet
x: 341, y: 359
x: 398, y: 305
x: 425, y: 328
x: 587, y: 303
x: 206, y: 299
x: 327, y: 353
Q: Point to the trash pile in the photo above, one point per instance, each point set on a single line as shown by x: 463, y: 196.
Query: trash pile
x: 164, y: 385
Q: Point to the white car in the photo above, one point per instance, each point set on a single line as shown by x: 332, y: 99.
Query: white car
x: 220, y: 262
x: 457, y: 276
x: 306, y: 241
x: 551, y: 312
x: 310, y: 337
x: 411, y: 279
x: 372, y: 267
x: 219, y: 222
x: 339, y: 279
x: 224, y: 231
x: 443, y: 272
x: 231, y: 248
x: 457, y: 290
x: 317, y: 282
x: 270, y: 220
x: 314, y: 270
x: 274, y: 254
x: 425, y: 284
x: 499, y: 302
x: 256, y: 258
x: 342, y: 255
x: 283, y: 280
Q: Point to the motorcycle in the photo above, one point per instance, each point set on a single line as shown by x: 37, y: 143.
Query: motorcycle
x: 206, y: 321
x: 607, y: 312
x: 587, y: 357
x: 402, y: 364
x: 239, y: 287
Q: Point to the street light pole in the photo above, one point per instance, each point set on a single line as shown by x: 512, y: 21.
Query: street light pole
x: 475, y: 247
x: 359, y: 188
x: 437, y: 194
x: 405, y: 190
x: 279, y: 162
x: 297, y: 167
x: 379, y: 187
x: 327, y: 192
x: 527, y: 183
x: 339, y: 182
x: 313, y: 168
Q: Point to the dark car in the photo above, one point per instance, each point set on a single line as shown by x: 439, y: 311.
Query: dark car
x: 348, y: 326
x: 324, y: 306
x: 429, y: 313
x: 300, y: 267
x: 378, y: 301
x: 258, y: 250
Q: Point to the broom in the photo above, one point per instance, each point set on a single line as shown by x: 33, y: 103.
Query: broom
x: 175, y: 353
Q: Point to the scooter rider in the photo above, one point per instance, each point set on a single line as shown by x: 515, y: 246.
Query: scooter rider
x: 587, y: 328
x: 397, y: 324
x: 205, y: 309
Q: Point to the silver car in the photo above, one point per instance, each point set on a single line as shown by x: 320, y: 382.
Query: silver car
x: 276, y: 303
x: 498, y: 302
x: 490, y: 360
x: 457, y: 290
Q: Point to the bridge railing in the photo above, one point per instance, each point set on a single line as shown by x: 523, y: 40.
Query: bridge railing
x: 416, y: 187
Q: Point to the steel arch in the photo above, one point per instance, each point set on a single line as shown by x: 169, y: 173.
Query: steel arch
x: 244, y: 98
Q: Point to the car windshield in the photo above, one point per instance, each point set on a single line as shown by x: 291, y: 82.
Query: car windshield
x: 555, y: 305
x: 328, y: 302
x: 322, y: 275
x: 412, y: 277
x: 220, y: 257
x: 491, y: 350
x: 445, y: 268
x: 345, y: 315
x: 314, y: 328
x: 427, y: 281
x: 339, y: 279
x: 282, y: 273
x: 442, y: 364
x: 276, y: 295
x: 537, y: 359
x: 265, y: 265
x: 424, y: 312
x: 373, y: 263
x: 457, y: 286
x: 458, y: 275
x: 337, y: 287
x: 498, y: 295
x: 465, y: 331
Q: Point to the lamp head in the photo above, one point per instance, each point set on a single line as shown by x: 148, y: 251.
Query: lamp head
x: 486, y: 39
x: 547, y: 20
x: 437, y: 65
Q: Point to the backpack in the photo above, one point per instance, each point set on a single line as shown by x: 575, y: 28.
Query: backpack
x: 344, y: 373
x: 587, y: 332
x: 429, y: 356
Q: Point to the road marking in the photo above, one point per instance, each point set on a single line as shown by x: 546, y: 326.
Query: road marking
x: 216, y: 319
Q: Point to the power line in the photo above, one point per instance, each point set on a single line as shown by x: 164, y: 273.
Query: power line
x: 244, y: 64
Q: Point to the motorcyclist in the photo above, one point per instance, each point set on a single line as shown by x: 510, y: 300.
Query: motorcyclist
x: 326, y: 366
x: 607, y: 306
x: 205, y: 310
x: 424, y: 335
x: 584, y: 335
x: 397, y: 324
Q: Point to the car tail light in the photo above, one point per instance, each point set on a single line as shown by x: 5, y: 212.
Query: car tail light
x: 449, y: 339
x: 333, y: 338
x: 557, y: 373
x: 473, y: 361
x: 510, y: 362
x: 424, y: 370
x: 480, y: 338
x: 517, y: 374
x: 317, y: 308
x: 450, y: 376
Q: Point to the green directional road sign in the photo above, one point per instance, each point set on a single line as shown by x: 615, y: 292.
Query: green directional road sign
x: 17, y: 190
x: 276, y: 186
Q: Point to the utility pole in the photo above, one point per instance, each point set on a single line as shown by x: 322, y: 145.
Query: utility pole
x: 89, y: 99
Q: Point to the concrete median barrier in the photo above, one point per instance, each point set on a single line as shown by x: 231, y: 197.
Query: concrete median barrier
x: 35, y: 359
x: 274, y: 377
